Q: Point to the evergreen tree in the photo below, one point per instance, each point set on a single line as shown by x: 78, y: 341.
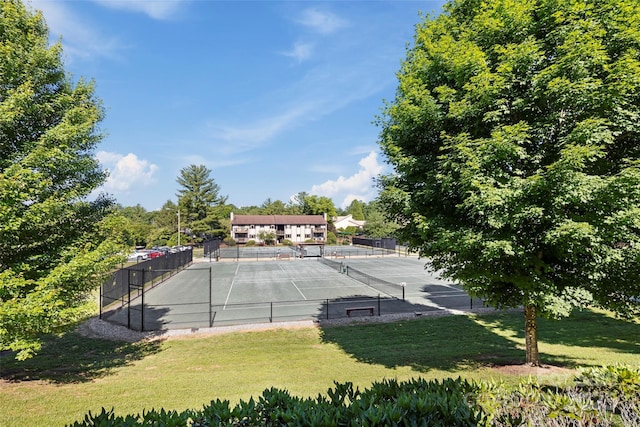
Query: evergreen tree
x: 198, y: 191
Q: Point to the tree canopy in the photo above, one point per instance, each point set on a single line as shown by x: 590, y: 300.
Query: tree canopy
x: 377, y: 225
x: 356, y: 210
x: 515, y: 144
x: 54, y: 240
x: 198, y: 191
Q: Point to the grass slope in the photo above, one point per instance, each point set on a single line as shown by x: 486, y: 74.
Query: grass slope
x: 74, y: 374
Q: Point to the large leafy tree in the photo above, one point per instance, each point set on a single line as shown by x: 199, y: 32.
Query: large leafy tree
x: 356, y: 209
x: 273, y: 207
x: 53, y: 241
x: 139, y: 223
x: 319, y: 205
x: 515, y: 144
x: 377, y: 225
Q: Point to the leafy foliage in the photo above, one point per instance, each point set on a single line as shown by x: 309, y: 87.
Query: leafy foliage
x: 377, y: 225
x: 356, y: 209
x: 597, y: 397
x: 515, y: 145
x: 54, y: 244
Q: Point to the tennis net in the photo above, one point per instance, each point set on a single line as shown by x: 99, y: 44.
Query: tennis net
x: 388, y: 288
x: 333, y: 264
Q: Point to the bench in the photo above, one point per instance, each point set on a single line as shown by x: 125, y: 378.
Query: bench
x: 352, y: 309
x: 339, y: 256
x: 284, y: 256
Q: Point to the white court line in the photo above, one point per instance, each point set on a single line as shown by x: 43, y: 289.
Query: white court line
x: 280, y: 279
x: 294, y: 284
x: 224, y: 307
x: 432, y: 295
x: 336, y: 287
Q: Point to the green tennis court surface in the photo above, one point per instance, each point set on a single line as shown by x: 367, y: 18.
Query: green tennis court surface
x: 224, y: 293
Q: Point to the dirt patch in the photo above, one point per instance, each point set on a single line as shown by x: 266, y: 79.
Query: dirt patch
x: 525, y: 369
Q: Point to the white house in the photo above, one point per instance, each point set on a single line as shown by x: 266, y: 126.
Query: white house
x: 296, y: 228
x: 342, y: 222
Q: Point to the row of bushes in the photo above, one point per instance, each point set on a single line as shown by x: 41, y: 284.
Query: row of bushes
x: 597, y: 397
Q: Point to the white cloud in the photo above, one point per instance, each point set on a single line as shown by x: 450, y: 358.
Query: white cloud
x: 80, y: 39
x: 246, y: 137
x: 300, y: 51
x: 321, y: 92
x: 358, y: 186
x: 321, y: 22
x: 156, y: 9
x: 125, y: 171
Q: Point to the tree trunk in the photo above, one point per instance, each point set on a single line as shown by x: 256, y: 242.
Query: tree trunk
x: 531, y: 335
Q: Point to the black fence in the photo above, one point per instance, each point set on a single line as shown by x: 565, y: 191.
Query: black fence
x: 198, y: 309
x: 142, y: 316
x: 263, y: 253
x: 128, y: 282
x: 259, y: 253
x: 212, y: 248
x: 384, y: 243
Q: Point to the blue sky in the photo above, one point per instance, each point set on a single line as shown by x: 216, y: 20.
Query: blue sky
x: 275, y: 97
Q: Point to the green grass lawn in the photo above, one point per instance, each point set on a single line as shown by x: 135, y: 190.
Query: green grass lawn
x: 73, y: 374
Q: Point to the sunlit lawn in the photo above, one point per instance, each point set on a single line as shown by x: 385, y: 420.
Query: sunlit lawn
x: 74, y: 374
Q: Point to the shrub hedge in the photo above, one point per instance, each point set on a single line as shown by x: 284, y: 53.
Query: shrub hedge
x: 607, y: 396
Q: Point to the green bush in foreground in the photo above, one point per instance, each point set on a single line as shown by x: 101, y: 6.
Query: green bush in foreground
x: 607, y: 396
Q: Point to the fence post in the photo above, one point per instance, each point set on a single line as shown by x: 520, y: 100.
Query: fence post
x: 128, y: 299
x: 210, y: 291
x: 142, y: 303
x: 378, y: 304
x: 271, y: 313
x: 327, y: 308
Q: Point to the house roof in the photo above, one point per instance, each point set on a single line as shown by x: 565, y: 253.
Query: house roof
x: 278, y: 220
x: 346, y: 221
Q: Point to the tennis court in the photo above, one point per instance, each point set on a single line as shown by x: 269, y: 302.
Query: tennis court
x: 224, y: 293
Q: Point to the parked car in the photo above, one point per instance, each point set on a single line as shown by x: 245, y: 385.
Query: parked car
x: 154, y: 254
x: 138, y: 255
x: 164, y: 249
